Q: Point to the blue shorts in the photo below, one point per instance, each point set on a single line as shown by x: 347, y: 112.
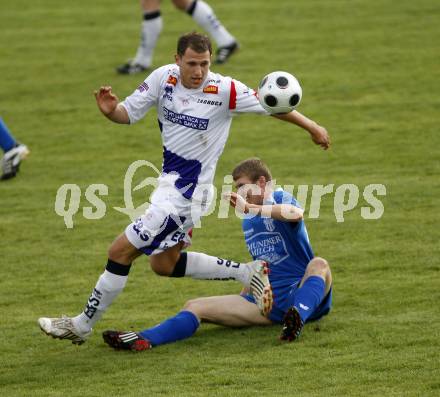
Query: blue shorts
x: 277, y: 314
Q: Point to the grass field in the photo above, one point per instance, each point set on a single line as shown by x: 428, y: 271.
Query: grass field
x: 370, y: 74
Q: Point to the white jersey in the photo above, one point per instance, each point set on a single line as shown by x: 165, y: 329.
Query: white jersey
x: 194, y: 123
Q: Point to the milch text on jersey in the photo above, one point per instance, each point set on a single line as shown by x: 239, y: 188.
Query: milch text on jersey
x: 195, y: 123
x: 267, y: 246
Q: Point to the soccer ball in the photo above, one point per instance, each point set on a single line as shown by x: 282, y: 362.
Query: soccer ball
x: 279, y: 92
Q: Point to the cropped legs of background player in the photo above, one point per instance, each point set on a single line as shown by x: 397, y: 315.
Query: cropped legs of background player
x: 14, y: 152
x: 152, y: 24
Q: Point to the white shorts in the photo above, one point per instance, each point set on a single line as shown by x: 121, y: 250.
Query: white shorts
x: 168, y: 220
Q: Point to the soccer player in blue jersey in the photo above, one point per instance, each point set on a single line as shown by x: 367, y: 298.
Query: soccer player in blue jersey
x: 275, y: 232
x: 14, y: 152
x: 298, y: 288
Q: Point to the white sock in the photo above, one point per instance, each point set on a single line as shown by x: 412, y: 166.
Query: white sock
x: 108, y: 287
x: 150, y: 32
x: 205, y: 267
x: 205, y: 17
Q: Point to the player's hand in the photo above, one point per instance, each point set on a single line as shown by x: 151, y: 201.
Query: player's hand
x: 320, y: 136
x: 106, y: 100
x: 236, y: 201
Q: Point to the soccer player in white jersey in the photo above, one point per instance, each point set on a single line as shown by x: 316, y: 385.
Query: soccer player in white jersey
x: 299, y: 285
x: 195, y: 108
x: 151, y: 27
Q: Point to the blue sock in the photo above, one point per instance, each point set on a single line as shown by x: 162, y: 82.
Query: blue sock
x: 309, y: 296
x: 7, y: 141
x: 181, y: 326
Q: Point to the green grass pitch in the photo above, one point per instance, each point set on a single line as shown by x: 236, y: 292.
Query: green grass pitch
x: 370, y: 74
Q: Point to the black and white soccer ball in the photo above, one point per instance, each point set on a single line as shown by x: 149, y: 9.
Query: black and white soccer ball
x: 279, y: 92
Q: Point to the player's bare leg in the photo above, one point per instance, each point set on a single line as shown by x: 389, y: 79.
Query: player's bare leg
x: 319, y: 267
x: 122, y: 251
x: 164, y: 263
x: 228, y: 310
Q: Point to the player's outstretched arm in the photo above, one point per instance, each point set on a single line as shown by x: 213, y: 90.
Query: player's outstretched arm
x: 108, y: 104
x: 318, y: 133
x: 280, y: 212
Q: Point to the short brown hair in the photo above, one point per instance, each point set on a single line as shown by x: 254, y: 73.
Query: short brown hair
x: 198, y: 42
x: 252, y: 168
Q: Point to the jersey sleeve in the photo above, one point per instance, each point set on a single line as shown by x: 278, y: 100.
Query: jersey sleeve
x: 144, y: 97
x: 243, y: 99
x: 283, y: 197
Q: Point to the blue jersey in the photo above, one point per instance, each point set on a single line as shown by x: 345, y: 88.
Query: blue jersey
x: 284, y: 245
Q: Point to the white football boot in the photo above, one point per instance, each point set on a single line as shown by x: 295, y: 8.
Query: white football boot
x: 62, y: 328
x: 12, y: 159
x: 260, y: 287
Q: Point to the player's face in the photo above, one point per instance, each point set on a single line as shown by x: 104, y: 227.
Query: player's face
x: 194, y: 67
x: 252, y: 192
